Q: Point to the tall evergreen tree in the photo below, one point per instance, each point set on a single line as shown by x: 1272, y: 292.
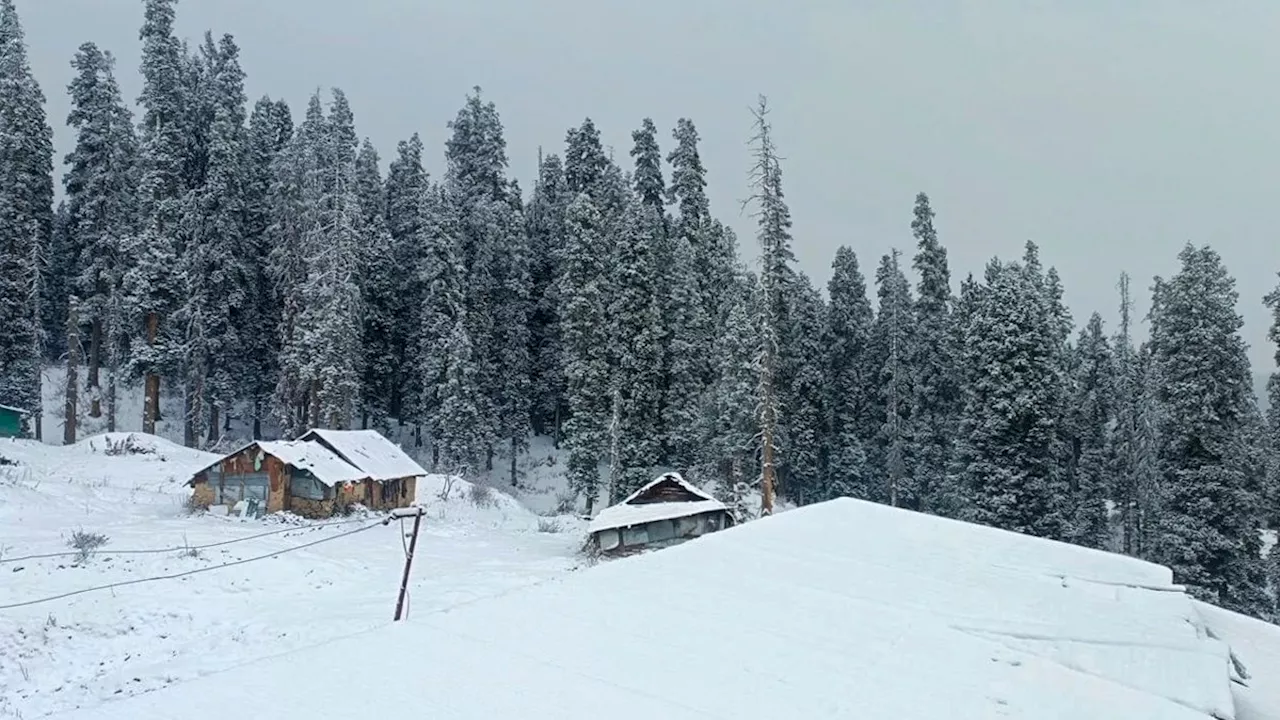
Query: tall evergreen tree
x: 584, y: 160
x: 695, y: 248
x: 1272, y: 302
x: 636, y: 328
x: 294, y: 195
x: 406, y: 201
x: 61, y: 263
x: 332, y: 310
x: 584, y: 333
x: 26, y: 218
x: 892, y: 341
x: 269, y: 134
x: 494, y: 249
x: 379, y: 281
x: 101, y: 208
x: 219, y: 282
x: 1123, y: 439
x: 154, y: 290
x: 649, y: 183
x: 546, y: 230
x: 848, y: 337
x: 1210, y: 506
x: 1092, y: 411
x: 805, y: 466
x: 462, y: 441
x: 1009, y: 450
x: 730, y: 425
x: 442, y: 278
x: 777, y: 281
x: 935, y: 394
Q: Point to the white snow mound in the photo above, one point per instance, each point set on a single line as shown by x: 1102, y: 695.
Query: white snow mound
x: 841, y: 610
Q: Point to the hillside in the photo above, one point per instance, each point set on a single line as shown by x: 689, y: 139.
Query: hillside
x: 843, y: 609
x: 81, y: 650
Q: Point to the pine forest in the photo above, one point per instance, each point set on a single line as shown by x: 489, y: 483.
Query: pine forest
x: 246, y: 261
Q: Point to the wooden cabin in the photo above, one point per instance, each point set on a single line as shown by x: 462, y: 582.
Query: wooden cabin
x: 315, y: 476
x: 667, y: 511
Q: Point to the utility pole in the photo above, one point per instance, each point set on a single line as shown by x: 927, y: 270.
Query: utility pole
x: 399, y: 514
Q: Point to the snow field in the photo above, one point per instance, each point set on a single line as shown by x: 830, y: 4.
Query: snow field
x: 842, y: 610
x: 82, y: 650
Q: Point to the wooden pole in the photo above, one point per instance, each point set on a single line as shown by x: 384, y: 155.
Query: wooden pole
x: 408, y: 560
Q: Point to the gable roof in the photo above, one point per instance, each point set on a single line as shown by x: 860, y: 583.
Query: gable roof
x: 316, y: 459
x: 629, y: 512
x: 369, y: 451
x: 320, y: 461
x: 11, y: 408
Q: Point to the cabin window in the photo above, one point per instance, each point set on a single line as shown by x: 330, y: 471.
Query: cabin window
x: 661, y: 530
x: 231, y: 489
x: 255, y: 485
x: 303, y: 484
x: 214, y: 478
x: 686, y: 526
x: 608, y: 539
x: 635, y: 536
x: 710, y: 523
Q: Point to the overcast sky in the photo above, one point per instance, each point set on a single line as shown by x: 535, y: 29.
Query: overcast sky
x: 1111, y: 133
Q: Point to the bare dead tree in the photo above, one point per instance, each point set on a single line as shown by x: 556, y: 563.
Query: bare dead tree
x: 773, y: 220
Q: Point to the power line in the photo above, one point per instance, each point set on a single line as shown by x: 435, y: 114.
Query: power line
x: 183, y: 547
x: 191, y: 572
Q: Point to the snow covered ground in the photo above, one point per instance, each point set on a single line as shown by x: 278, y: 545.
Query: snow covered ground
x: 82, y: 650
x: 844, y: 609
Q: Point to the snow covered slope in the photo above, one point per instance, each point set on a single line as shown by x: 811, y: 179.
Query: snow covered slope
x: 81, y: 650
x: 840, y: 610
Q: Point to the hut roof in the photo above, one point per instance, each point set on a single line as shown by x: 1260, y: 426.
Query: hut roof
x: 370, y: 452
x: 316, y: 459
x: 17, y: 410
x: 639, y: 509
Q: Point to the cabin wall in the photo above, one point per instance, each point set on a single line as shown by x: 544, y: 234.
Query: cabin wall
x: 661, y: 533
x: 232, y: 471
x: 307, y: 508
x: 201, y: 492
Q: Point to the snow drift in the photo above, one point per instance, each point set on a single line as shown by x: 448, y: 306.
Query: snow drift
x: 844, y: 609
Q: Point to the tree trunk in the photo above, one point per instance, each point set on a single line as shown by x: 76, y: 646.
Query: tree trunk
x: 257, y: 419
x: 95, y: 367
x: 111, y: 398
x: 515, y: 480
x: 151, y: 389
x: 215, y: 425
x: 73, y: 372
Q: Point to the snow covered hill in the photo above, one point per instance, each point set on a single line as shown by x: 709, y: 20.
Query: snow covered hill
x: 81, y: 650
x: 843, y: 610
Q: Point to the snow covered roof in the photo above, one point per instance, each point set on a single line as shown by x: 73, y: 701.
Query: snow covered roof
x: 369, y: 451
x: 839, y: 610
x: 315, y: 459
x: 11, y: 408
x: 631, y: 512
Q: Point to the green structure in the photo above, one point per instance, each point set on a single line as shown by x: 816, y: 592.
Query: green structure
x: 11, y: 421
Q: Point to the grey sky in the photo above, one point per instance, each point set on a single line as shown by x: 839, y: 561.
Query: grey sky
x: 1108, y: 132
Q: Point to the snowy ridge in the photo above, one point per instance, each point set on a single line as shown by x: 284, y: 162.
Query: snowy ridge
x: 844, y: 609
